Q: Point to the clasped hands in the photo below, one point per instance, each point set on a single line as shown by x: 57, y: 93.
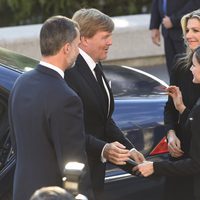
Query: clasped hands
x: 117, y: 153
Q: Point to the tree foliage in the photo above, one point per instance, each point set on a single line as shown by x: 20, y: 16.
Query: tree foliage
x: 18, y: 12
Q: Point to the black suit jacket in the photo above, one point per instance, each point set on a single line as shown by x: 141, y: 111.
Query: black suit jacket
x: 175, y: 10
x: 99, y: 127
x: 191, y: 165
x: 46, y: 120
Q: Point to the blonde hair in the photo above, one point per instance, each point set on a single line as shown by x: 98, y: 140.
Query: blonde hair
x: 91, y: 21
x: 187, y: 60
x: 185, y: 18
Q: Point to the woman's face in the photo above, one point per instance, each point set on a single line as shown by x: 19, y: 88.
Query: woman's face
x: 193, y: 33
x: 195, y: 68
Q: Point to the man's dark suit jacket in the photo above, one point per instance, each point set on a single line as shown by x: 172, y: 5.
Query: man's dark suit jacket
x: 46, y: 118
x: 191, y: 165
x: 175, y: 10
x: 100, y: 128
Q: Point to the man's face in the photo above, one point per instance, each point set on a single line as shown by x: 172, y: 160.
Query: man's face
x: 98, y: 45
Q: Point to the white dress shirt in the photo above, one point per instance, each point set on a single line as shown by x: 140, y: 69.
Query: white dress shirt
x: 53, y: 67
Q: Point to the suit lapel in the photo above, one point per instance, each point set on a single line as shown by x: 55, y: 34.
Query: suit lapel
x: 86, y: 73
x: 110, y: 93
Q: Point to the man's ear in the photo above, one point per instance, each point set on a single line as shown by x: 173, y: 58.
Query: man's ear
x: 84, y: 40
x: 67, y: 48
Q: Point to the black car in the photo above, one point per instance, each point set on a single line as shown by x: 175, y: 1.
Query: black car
x: 139, y: 104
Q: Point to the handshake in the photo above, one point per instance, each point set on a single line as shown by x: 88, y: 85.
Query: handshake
x: 143, y: 169
x: 117, y: 154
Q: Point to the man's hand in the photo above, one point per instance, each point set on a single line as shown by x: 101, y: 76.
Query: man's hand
x: 167, y: 23
x: 137, y: 156
x: 145, y: 169
x: 174, y: 144
x: 116, y: 153
x: 155, y: 36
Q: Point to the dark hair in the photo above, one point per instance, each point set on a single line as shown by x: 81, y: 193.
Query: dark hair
x: 197, y: 54
x: 51, y: 193
x: 91, y: 21
x: 55, y: 32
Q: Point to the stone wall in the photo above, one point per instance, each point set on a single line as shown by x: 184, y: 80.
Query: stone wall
x: 132, y: 43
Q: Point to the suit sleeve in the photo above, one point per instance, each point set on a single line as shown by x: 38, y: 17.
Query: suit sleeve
x: 67, y: 131
x: 115, y: 134
x: 183, y: 167
x: 191, y: 165
x: 94, y: 145
x: 156, y: 18
x: 68, y: 138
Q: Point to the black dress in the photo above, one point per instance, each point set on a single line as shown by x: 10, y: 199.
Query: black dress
x: 189, y: 166
x: 180, y: 188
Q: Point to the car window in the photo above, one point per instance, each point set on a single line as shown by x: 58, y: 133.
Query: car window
x: 125, y: 82
x: 17, y: 61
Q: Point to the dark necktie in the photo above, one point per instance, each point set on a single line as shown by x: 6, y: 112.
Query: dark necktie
x: 99, y: 76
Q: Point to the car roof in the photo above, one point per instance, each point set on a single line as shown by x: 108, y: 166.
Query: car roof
x: 19, y: 62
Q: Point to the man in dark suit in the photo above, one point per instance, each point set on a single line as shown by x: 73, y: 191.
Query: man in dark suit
x: 104, y: 140
x: 168, y: 14
x: 46, y: 116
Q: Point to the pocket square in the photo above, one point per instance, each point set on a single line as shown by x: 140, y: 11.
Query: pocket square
x: 109, y: 83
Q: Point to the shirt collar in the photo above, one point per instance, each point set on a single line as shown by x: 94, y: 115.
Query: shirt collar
x: 88, y: 59
x: 53, y: 67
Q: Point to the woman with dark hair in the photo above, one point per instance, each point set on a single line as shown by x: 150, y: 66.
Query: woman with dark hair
x: 190, y: 120
x: 181, y: 76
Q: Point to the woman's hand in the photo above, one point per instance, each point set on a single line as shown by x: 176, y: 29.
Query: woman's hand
x: 176, y: 95
x: 174, y: 144
x: 145, y: 168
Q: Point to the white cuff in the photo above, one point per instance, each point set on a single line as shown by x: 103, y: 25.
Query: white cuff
x: 133, y: 149
x: 103, y: 160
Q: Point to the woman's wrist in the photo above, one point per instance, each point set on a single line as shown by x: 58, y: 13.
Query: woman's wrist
x: 181, y: 108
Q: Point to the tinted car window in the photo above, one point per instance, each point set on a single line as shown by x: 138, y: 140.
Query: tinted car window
x: 129, y: 82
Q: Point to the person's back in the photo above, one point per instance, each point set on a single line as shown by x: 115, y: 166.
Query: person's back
x: 43, y: 161
x: 46, y: 116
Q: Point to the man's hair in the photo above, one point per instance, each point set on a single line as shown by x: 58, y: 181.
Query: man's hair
x: 55, y: 32
x: 51, y: 193
x: 91, y: 21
